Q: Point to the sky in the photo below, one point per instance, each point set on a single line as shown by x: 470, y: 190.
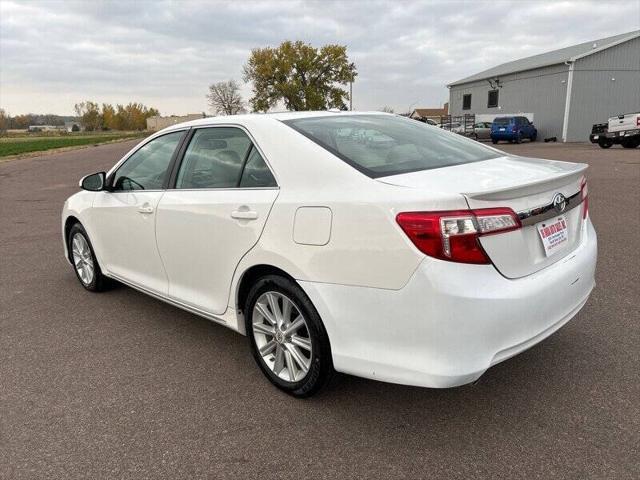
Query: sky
x: 164, y: 53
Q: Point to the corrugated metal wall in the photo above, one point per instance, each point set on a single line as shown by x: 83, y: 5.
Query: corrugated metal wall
x: 595, y: 97
x: 541, y: 91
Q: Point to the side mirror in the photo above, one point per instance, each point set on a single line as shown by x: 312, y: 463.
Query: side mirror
x: 94, y: 182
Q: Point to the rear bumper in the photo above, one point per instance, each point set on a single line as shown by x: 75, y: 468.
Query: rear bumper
x: 503, y: 136
x: 451, y: 322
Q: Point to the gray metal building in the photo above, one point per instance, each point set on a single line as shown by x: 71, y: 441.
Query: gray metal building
x: 566, y: 90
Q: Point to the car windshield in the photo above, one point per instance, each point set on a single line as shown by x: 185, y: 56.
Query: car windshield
x: 383, y: 145
x: 502, y: 121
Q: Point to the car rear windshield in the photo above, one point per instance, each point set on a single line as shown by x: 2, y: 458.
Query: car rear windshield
x: 384, y: 145
x: 502, y: 121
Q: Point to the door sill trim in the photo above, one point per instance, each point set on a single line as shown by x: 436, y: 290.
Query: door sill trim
x: 168, y: 300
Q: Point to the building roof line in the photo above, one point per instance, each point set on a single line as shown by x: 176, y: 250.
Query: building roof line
x: 553, y: 57
x: 604, y: 47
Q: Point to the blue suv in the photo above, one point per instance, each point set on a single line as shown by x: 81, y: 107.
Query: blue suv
x: 513, y: 129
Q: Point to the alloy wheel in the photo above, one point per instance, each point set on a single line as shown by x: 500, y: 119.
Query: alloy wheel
x: 282, y: 336
x: 82, y: 258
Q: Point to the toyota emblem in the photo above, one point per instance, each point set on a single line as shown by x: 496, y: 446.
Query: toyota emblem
x: 559, y: 202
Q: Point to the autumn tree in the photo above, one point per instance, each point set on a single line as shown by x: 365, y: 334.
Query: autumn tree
x: 89, y: 114
x: 21, y: 121
x: 224, y: 98
x: 108, y: 117
x: 300, y: 75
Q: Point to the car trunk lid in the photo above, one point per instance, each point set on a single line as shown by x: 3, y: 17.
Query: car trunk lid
x: 526, y: 185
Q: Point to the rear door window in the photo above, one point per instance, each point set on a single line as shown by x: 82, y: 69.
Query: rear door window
x: 222, y: 157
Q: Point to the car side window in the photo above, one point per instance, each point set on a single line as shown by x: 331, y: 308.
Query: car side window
x: 256, y: 173
x: 147, y: 168
x: 214, y: 158
x: 222, y: 157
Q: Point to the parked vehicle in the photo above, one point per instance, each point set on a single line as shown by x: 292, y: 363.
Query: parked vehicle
x: 422, y: 261
x: 482, y: 131
x: 512, y: 129
x: 621, y: 129
x: 454, y: 127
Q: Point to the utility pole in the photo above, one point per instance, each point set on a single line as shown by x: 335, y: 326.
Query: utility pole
x: 352, y: 68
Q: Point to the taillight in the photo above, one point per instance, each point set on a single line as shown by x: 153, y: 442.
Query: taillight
x: 584, y: 194
x: 454, y: 235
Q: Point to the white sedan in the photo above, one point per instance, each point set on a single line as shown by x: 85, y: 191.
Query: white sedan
x: 422, y: 258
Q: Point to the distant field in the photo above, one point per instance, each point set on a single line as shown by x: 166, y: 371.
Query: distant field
x: 31, y: 143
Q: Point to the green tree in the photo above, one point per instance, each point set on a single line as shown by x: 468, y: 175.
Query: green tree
x: 302, y: 76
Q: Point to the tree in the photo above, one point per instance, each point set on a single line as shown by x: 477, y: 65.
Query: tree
x: 224, y: 98
x: 302, y: 76
x: 4, y: 121
x: 108, y: 117
x: 386, y: 109
x: 89, y: 114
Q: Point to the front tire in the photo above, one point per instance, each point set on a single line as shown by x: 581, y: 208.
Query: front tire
x: 605, y: 143
x: 84, y: 260
x: 494, y: 141
x: 286, y: 335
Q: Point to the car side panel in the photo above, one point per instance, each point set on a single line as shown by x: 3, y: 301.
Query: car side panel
x: 200, y: 242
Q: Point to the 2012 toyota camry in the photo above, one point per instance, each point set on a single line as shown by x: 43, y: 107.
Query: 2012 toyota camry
x: 365, y: 243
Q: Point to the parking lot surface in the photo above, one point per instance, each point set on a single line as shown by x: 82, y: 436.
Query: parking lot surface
x: 119, y: 385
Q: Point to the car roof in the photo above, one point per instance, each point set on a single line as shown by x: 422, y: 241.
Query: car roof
x: 265, y: 117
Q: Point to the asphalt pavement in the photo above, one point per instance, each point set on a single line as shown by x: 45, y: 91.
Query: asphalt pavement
x: 120, y: 385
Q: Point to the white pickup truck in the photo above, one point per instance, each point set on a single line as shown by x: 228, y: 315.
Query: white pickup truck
x: 622, y: 129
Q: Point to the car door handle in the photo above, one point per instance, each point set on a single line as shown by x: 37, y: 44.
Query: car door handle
x: 145, y: 209
x: 244, y: 214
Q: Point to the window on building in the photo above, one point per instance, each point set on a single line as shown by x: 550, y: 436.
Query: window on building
x: 492, y: 99
x: 466, y: 101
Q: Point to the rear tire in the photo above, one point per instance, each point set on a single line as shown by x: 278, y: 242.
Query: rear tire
x: 605, y: 143
x: 630, y: 143
x: 519, y: 138
x: 84, y: 261
x: 494, y: 141
x: 298, y: 359
x: 534, y: 137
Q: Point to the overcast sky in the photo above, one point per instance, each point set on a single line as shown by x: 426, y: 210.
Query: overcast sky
x: 165, y: 53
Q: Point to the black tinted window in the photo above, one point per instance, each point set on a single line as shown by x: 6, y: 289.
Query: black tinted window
x: 256, y: 173
x: 502, y: 121
x: 214, y: 158
x: 381, y: 145
x: 146, y: 169
x: 466, y: 102
x: 492, y: 100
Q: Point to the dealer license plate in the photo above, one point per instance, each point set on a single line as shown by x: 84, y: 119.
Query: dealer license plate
x: 554, y: 234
